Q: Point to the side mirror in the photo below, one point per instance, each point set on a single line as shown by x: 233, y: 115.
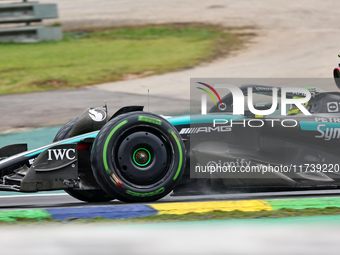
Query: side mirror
x: 336, y: 75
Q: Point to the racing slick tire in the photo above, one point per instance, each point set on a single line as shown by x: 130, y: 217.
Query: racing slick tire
x: 138, y: 157
x: 83, y: 195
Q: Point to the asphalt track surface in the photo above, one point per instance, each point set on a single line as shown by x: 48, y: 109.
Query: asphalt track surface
x: 27, y: 201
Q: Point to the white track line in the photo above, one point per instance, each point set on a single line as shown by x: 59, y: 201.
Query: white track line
x: 36, y: 195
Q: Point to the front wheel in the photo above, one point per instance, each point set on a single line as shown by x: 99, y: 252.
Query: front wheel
x: 83, y: 195
x: 138, y: 157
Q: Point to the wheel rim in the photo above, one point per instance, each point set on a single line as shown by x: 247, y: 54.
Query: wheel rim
x: 142, y: 157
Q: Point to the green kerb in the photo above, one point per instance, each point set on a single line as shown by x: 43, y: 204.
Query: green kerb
x: 303, y: 203
x: 24, y: 214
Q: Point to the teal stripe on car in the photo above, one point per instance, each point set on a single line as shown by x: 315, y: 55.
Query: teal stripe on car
x: 312, y: 126
x: 68, y: 141
x: 187, y: 120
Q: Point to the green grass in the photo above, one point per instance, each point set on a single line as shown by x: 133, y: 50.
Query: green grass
x: 92, y: 56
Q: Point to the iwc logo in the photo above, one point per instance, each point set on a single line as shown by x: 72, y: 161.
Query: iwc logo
x: 97, y: 114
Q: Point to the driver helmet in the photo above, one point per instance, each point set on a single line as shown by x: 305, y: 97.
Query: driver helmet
x: 294, y: 110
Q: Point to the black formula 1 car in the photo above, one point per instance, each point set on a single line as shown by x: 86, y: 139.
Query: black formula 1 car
x: 137, y: 156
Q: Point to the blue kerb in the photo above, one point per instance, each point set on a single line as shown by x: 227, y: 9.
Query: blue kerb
x: 108, y: 212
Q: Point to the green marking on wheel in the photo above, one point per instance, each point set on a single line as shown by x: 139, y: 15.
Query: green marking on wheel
x: 180, y: 154
x: 150, y: 120
x: 149, y: 194
x: 107, y: 142
x: 134, y: 159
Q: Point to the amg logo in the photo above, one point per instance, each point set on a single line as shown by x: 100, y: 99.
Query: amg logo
x: 61, y: 153
x: 196, y: 130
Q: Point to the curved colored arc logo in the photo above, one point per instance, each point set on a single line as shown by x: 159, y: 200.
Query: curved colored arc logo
x: 213, y: 90
x: 208, y: 94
